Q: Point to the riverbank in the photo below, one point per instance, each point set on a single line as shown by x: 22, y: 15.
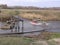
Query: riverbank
x: 15, y: 41
x: 30, y: 41
x: 46, y: 15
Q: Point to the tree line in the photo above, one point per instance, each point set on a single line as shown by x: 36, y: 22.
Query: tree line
x: 4, y: 6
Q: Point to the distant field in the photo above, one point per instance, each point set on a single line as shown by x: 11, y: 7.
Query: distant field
x: 32, y: 14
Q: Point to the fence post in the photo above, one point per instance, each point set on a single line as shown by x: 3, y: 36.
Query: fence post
x: 22, y: 26
x: 18, y: 27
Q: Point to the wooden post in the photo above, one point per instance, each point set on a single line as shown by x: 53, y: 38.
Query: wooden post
x: 11, y: 30
x: 0, y: 14
x: 15, y: 28
x: 0, y: 10
x: 18, y: 27
x: 22, y: 26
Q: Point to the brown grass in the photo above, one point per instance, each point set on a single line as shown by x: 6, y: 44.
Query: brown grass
x: 32, y: 14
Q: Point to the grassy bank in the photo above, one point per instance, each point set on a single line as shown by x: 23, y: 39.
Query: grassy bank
x: 32, y: 14
x: 56, y: 35
x: 15, y: 41
x: 23, y: 40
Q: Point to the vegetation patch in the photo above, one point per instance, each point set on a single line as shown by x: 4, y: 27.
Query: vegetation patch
x: 46, y: 15
x: 15, y: 41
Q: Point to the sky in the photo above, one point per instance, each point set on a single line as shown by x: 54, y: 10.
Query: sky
x: 36, y: 3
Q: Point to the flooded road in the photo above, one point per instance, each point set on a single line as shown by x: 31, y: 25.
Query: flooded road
x: 54, y: 26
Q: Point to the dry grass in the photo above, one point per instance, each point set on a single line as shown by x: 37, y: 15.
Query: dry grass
x: 32, y: 14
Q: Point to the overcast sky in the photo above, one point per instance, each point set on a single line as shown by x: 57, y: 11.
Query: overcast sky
x: 38, y: 3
